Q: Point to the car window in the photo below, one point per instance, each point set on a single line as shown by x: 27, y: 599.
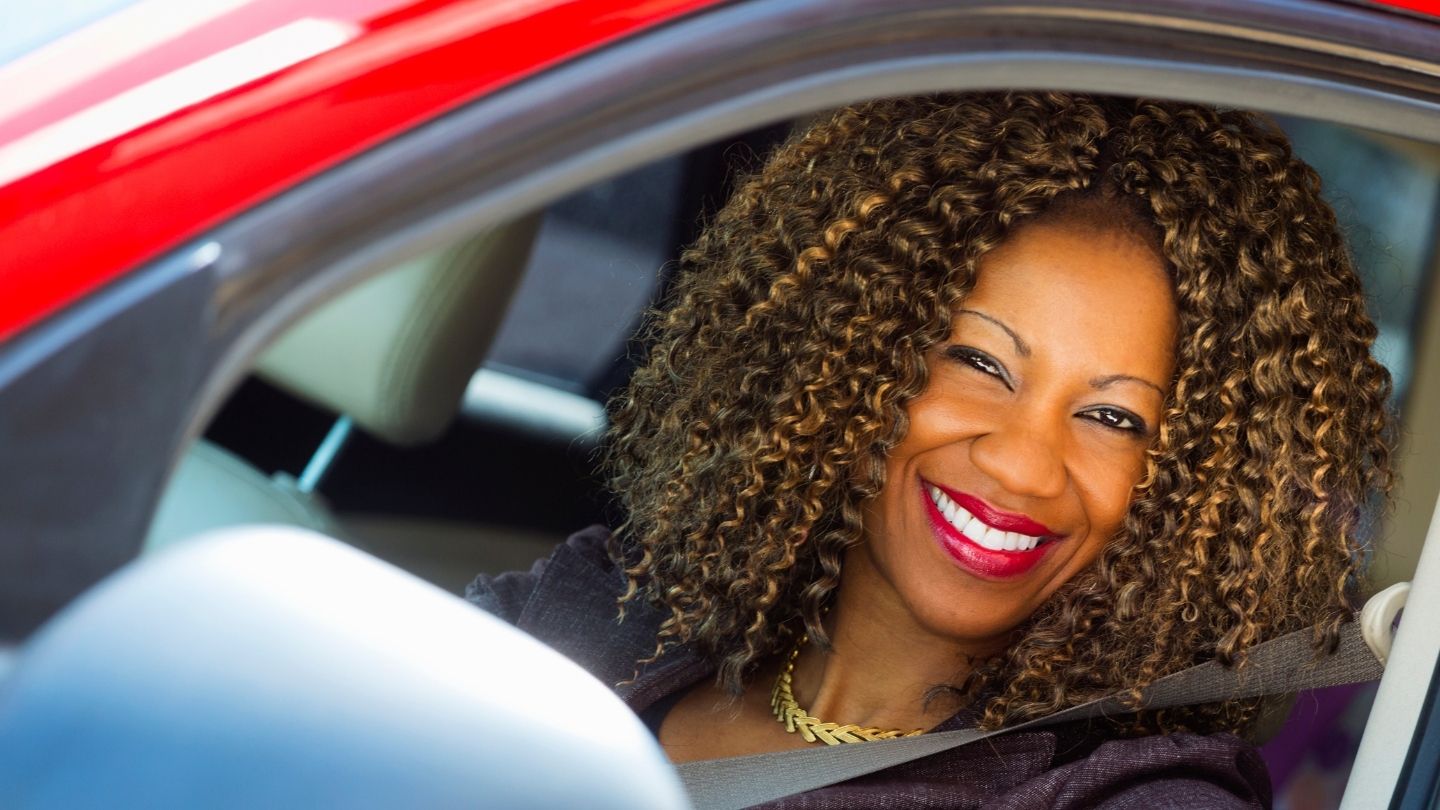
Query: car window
x: 468, y: 501
x: 465, y: 501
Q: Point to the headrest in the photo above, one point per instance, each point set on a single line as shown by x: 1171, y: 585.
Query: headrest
x: 395, y: 353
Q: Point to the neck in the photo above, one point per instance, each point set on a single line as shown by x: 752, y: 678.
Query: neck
x: 883, y: 665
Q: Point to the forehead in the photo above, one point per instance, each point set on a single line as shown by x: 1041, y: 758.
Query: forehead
x: 1080, y: 290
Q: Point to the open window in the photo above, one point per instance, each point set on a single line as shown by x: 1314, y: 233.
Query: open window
x: 506, y: 468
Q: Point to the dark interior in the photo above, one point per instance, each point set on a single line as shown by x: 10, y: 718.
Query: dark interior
x: 481, y: 471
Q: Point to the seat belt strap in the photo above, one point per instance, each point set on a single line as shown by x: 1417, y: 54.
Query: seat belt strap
x: 1271, y: 668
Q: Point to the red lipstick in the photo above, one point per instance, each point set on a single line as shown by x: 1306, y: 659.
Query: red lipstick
x: 983, y: 562
x: 1004, y: 521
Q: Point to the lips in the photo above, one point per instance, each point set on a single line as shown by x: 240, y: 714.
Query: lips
x: 985, y: 541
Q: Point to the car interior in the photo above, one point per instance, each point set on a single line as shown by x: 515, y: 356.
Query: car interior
x: 375, y: 420
x: 445, y: 416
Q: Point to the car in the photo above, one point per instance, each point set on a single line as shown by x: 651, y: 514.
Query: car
x: 203, y: 201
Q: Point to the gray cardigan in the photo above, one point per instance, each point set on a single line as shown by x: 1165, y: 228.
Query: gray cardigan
x: 568, y: 601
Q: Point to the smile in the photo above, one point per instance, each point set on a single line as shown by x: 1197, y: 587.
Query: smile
x: 986, y: 542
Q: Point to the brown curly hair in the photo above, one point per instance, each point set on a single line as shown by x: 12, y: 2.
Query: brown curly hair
x: 783, y: 360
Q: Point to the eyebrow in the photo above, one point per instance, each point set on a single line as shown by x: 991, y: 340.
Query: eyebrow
x: 1110, y: 379
x: 1021, y: 346
x: 1023, y: 349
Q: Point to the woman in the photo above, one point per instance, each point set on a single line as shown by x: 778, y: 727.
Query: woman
x: 968, y: 409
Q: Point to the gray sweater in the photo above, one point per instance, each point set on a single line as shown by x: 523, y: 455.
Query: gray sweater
x: 568, y: 601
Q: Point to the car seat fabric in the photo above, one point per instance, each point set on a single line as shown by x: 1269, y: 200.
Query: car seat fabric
x: 393, y: 354
x: 215, y: 488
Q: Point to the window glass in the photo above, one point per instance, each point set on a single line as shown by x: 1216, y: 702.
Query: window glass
x: 1385, y: 193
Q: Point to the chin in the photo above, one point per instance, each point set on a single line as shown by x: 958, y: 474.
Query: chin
x: 965, y: 619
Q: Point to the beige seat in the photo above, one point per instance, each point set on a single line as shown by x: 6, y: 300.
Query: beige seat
x: 393, y: 356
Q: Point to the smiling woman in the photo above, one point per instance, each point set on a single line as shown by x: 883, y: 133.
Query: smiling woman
x: 967, y: 409
x: 1023, y: 449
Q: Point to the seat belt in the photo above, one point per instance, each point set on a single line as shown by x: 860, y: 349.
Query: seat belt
x: 1271, y: 668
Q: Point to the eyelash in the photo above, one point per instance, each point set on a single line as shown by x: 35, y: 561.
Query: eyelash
x: 1137, y: 426
x: 981, y: 362
x: 1110, y: 417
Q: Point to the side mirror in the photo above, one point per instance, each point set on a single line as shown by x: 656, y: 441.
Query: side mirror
x: 273, y: 667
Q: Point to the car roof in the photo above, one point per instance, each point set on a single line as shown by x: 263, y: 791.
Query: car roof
x: 190, y: 113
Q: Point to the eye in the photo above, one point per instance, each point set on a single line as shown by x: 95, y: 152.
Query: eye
x: 981, y: 362
x: 1116, y: 419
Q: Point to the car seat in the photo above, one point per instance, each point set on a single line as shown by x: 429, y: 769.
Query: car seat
x: 391, y: 356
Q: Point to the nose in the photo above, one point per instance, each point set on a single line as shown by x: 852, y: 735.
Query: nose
x: 1024, y: 454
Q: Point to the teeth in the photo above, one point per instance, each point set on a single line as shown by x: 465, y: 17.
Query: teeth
x: 972, y: 527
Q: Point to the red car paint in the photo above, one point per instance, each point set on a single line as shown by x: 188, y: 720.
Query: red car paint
x: 1430, y: 7
x: 75, y: 215
x: 72, y: 221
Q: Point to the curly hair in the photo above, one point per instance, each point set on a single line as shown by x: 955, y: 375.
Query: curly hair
x: 782, y: 362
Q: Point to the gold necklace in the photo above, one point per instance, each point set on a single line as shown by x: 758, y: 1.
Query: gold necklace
x: 787, y: 711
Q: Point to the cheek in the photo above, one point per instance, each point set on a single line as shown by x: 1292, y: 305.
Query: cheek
x: 947, y: 411
x: 1106, y: 490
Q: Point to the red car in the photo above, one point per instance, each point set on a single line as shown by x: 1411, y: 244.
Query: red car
x: 189, y: 188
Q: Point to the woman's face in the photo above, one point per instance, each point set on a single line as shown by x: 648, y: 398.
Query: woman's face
x: 1022, y: 451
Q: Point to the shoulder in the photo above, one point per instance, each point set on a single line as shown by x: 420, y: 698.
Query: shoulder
x: 570, y: 601
x: 508, y: 595
x: 1179, y: 770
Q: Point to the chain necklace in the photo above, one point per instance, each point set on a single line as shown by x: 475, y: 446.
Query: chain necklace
x: 813, y: 729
